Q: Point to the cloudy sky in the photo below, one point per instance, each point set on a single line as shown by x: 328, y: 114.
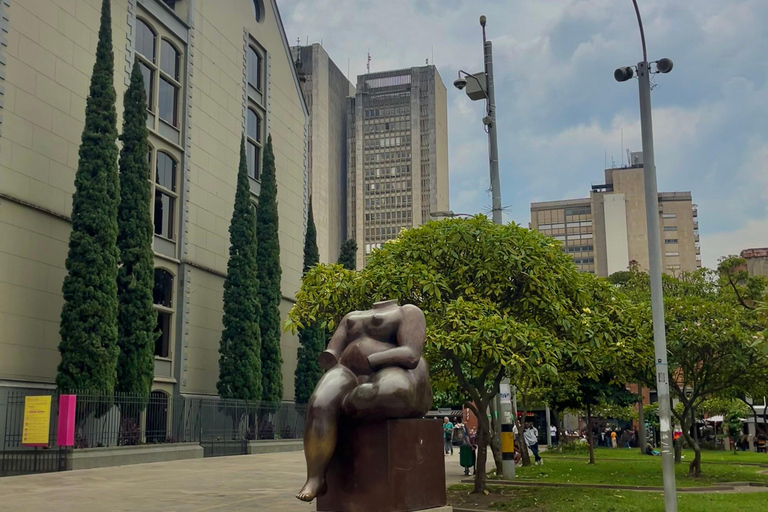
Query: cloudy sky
x: 560, y: 113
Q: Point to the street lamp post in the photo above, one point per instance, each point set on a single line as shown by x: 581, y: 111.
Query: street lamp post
x: 484, y: 89
x: 654, y: 261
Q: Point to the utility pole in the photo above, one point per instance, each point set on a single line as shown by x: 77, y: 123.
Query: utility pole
x: 490, y: 122
x: 654, y: 261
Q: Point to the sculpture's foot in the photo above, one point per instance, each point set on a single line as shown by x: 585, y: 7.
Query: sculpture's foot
x: 315, y: 487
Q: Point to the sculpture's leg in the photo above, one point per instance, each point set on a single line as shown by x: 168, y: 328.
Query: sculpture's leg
x: 321, y: 430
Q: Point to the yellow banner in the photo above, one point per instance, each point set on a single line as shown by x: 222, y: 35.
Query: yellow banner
x: 37, y: 420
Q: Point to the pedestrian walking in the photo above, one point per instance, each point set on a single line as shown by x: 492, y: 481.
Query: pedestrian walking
x: 531, y: 436
x: 448, y: 435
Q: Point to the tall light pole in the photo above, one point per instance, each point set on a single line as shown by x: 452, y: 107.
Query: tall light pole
x: 654, y: 260
x: 481, y: 87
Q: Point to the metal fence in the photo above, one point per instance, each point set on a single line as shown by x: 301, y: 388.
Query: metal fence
x: 17, y: 459
x: 220, y: 426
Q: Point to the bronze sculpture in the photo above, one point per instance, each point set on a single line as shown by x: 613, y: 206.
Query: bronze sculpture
x: 374, y: 371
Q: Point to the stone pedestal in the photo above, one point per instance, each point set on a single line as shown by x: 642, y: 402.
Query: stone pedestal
x: 391, y: 466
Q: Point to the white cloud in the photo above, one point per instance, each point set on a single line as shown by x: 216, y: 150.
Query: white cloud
x: 560, y: 112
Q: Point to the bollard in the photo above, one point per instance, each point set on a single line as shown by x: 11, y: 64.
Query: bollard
x: 508, y: 451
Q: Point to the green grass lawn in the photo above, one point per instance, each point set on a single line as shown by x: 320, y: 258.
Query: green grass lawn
x: 521, y: 499
x: 636, y: 472
x: 706, y: 455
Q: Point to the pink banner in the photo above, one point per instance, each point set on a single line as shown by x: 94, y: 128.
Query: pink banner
x: 65, y: 433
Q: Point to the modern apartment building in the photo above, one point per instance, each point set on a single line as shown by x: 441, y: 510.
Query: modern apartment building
x: 214, y: 71
x: 607, y: 231
x: 397, y: 138
x: 326, y: 90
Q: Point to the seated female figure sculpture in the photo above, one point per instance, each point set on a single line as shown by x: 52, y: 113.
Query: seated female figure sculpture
x: 374, y: 371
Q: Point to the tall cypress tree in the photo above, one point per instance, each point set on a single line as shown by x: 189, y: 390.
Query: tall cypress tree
x: 137, y: 319
x: 89, y: 317
x: 311, y: 337
x: 269, y: 273
x: 240, y: 347
x: 348, y: 254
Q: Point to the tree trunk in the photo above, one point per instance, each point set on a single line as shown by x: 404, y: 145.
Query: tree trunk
x: 523, y: 444
x: 694, y: 468
x: 679, y: 450
x: 590, y: 438
x: 640, y: 421
x: 483, y: 435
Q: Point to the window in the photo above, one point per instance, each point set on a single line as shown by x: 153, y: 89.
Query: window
x: 670, y: 240
x: 170, y: 3
x: 165, y: 196
x: 145, y: 40
x: 258, y: 9
x: 253, y: 130
x: 255, y: 65
x: 161, y: 69
x: 162, y: 294
x: 672, y: 253
x: 670, y: 228
x: 668, y: 215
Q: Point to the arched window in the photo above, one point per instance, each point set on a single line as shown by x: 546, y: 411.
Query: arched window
x: 255, y: 65
x: 169, y: 59
x: 253, y: 131
x: 258, y: 9
x: 145, y: 40
x: 162, y: 295
x: 165, y: 196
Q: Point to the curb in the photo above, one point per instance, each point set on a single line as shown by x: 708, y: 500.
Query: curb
x: 729, y: 486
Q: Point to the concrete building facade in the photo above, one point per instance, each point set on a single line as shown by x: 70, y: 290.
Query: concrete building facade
x: 213, y: 74
x: 757, y: 261
x: 607, y: 231
x: 397, y: 140
x: 326, y: 90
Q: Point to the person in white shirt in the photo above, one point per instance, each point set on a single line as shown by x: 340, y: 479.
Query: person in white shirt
x: 553, y: 434
x: 531, y: 436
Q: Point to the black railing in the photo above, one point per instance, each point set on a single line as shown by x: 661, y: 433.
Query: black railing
x: 220, y: 426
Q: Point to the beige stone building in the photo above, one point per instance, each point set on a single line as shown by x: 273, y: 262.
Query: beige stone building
x: 326, y: 90
x: 214, y: 70
x: 397, y: 138
x: 606, y: 231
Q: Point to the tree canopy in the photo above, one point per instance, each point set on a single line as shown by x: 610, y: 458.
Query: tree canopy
x: 498, y: 300
x: 714, y: 342
x: 88, y: 326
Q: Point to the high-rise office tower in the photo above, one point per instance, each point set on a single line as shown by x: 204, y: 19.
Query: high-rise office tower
x: 326, y: 90
x: 607, y: 231
x: 397, y: 139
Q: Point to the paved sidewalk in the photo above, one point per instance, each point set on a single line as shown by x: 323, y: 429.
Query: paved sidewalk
x: 233, y: 484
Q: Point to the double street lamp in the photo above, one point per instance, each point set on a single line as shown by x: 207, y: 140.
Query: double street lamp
x: 623, y: 74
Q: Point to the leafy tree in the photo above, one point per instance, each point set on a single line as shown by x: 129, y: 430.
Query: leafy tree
x: 311, y: 337
x: 269, y: 273
x: 714, y: 345
x: 88, y: 328
x: 498, y: 300
x: 603, y: 393
x: 137, y: 318
x: 348, y: 254
x: 240, y: 347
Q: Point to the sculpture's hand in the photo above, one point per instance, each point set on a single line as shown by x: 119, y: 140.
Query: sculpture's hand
x: 327, y: 360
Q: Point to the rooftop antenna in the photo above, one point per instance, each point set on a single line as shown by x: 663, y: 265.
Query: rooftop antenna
x: 622, y: 147
x: 426, y: 61
x: 368, y: 64
x: 298, y: 41
x: 605, y: 159
x: 307, y: 40
x: 347, y: 68
x: 433, y: 55
x: 629, y: 160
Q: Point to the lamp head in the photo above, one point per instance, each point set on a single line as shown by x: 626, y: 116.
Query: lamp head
x: 623, y: 74
x: 664, y: 65
x: 460, y: 83
x: 482, y: 20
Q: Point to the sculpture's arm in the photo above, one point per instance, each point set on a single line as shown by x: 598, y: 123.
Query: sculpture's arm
x: 330, y: 357
x: 410, y: 340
